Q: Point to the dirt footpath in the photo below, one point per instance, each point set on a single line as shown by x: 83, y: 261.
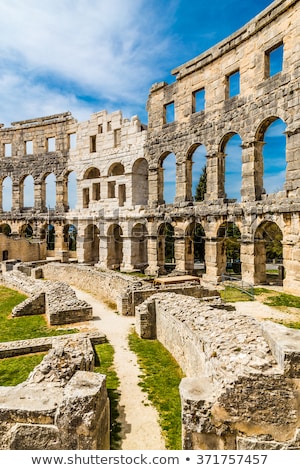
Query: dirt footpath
x: 140, y: 428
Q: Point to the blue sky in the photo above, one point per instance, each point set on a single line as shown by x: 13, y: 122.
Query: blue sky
x: 87, y: 55
x: 84, y: 56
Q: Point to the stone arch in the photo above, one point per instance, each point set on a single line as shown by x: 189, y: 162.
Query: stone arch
x: 231, y: 152
x: 268, y: 253
x: 229, y: 248
x: 167, y: 178
x: 91, y: 244
x: 114, y: 246
x: 140, y: 182
x: 195, y: 167
x: 7, y: 197
x: 195, y: 247
x: 49, y: 191
x: 91, y: 188
x: 27, y: 192
x: 91, y: 173
x: 116, y: 169
x: 166, y: 247
x: 47, y: 233
x: 272, y: 154
x: 26, y: 231
x: 70, y: 237
x: 5, y: 229
x: 139, y: 258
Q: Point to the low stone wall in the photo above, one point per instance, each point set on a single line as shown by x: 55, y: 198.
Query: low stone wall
x: 62, y: 405
x: 242, y: 385
x: 56, y: 299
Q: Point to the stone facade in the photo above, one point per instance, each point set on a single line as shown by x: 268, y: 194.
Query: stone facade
x: 120, y: 218
x: 62, y: 405
x: 241, y: 389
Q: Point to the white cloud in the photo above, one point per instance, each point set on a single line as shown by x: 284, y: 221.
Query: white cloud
x: 112, y: 50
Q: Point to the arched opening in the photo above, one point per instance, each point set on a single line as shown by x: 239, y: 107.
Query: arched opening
x: 91, y: 173
x: 91, y: 244
x: 27, y: 193
x: 232, y: 150
x: 196, y: 173
x: 116, y: 169
x: 50, y: 191
x: 70, y: 237
x: 91, y: 190
x: 167, y: 179
x: 166, y: 247
x: 140, y: 182
x: 5, y: 229
x: 229, y: 248
x: 72, y: 190
x: 139, y: 258
x: 114, y: 247
x: 26, y: 231
x: 195, y: 248
x: 274, y: 156
x: 268, y: 254
x: 7, y: 194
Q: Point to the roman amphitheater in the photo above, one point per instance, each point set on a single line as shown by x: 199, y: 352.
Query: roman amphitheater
x: 122, y: 224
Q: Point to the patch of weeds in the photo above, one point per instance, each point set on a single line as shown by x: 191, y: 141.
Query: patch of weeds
x: 105, y: 357
x: 160, y: 380
x: 232, y: 294
x: 283, y: 300
x: 15, y: 370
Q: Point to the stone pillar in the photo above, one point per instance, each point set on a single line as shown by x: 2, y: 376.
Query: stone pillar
x: 292, y: 159
x: 253, y: 258
x: 17, y: 197
x: 252, y: 171
x: 179, y: 248
x: 291, y: 260
x: 215, y: 260
x: 181, y: 181
x: 215, y: 176
x: 60, y: 199
x: 103, y: 252
x: 126, y: 263
x: 155, y: 194
x: 152, y: 247
x: 39, y: 197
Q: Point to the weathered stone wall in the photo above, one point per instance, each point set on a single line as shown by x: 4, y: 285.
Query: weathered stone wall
x: 236, y: 390
x: 62, y: 404
x: 55, y: 299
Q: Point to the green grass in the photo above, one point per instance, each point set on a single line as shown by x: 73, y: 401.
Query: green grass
x: 28, y: 327
x: 281, y: 301
x: 232, y: 294
x: 160, y: 380
x: 105, y: 356
x: 15, y: 370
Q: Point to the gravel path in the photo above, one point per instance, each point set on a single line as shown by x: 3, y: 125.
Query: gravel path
x: 140, y: 428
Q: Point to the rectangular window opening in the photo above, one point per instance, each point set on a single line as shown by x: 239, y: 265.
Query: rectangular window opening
x: 169, y: 113
x: 117, y: 137
x: 199, y: 100
x: 7, y: 150
x: 28, y: 147
x: 111, y: 189
x: 72, y: 141
x: 108, y: 126
x: 96, y: 191
x: 233, y: 84
x: 93, y: 142
x: 274, y: 61
x: 51, y: 146
x: 100, y: 128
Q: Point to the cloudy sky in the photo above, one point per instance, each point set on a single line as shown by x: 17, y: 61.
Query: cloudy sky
x: 87, y: 55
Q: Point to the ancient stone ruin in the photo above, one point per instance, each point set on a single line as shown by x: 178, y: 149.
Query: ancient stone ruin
x: 241, y: 389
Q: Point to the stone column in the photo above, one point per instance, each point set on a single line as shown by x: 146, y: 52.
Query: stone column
x: 181, y: 180
x: 126, y: 263
x: 252, y: 171
x: 60, y: 202
x: 155, y: 193
x: 215, y: 176
x: 152, y: 247
x: 292, y: 159
x: 215, y: 260
x: 103, y: 251
x: 179, y: 248
x: 39, y: 197
x: 17, y: 197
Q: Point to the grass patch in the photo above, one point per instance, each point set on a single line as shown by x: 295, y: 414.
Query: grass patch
x: 105, y: 356
x: 15, y: 370
x: 28, y: 327
x: 232, y: 294
x: 160, y: 381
